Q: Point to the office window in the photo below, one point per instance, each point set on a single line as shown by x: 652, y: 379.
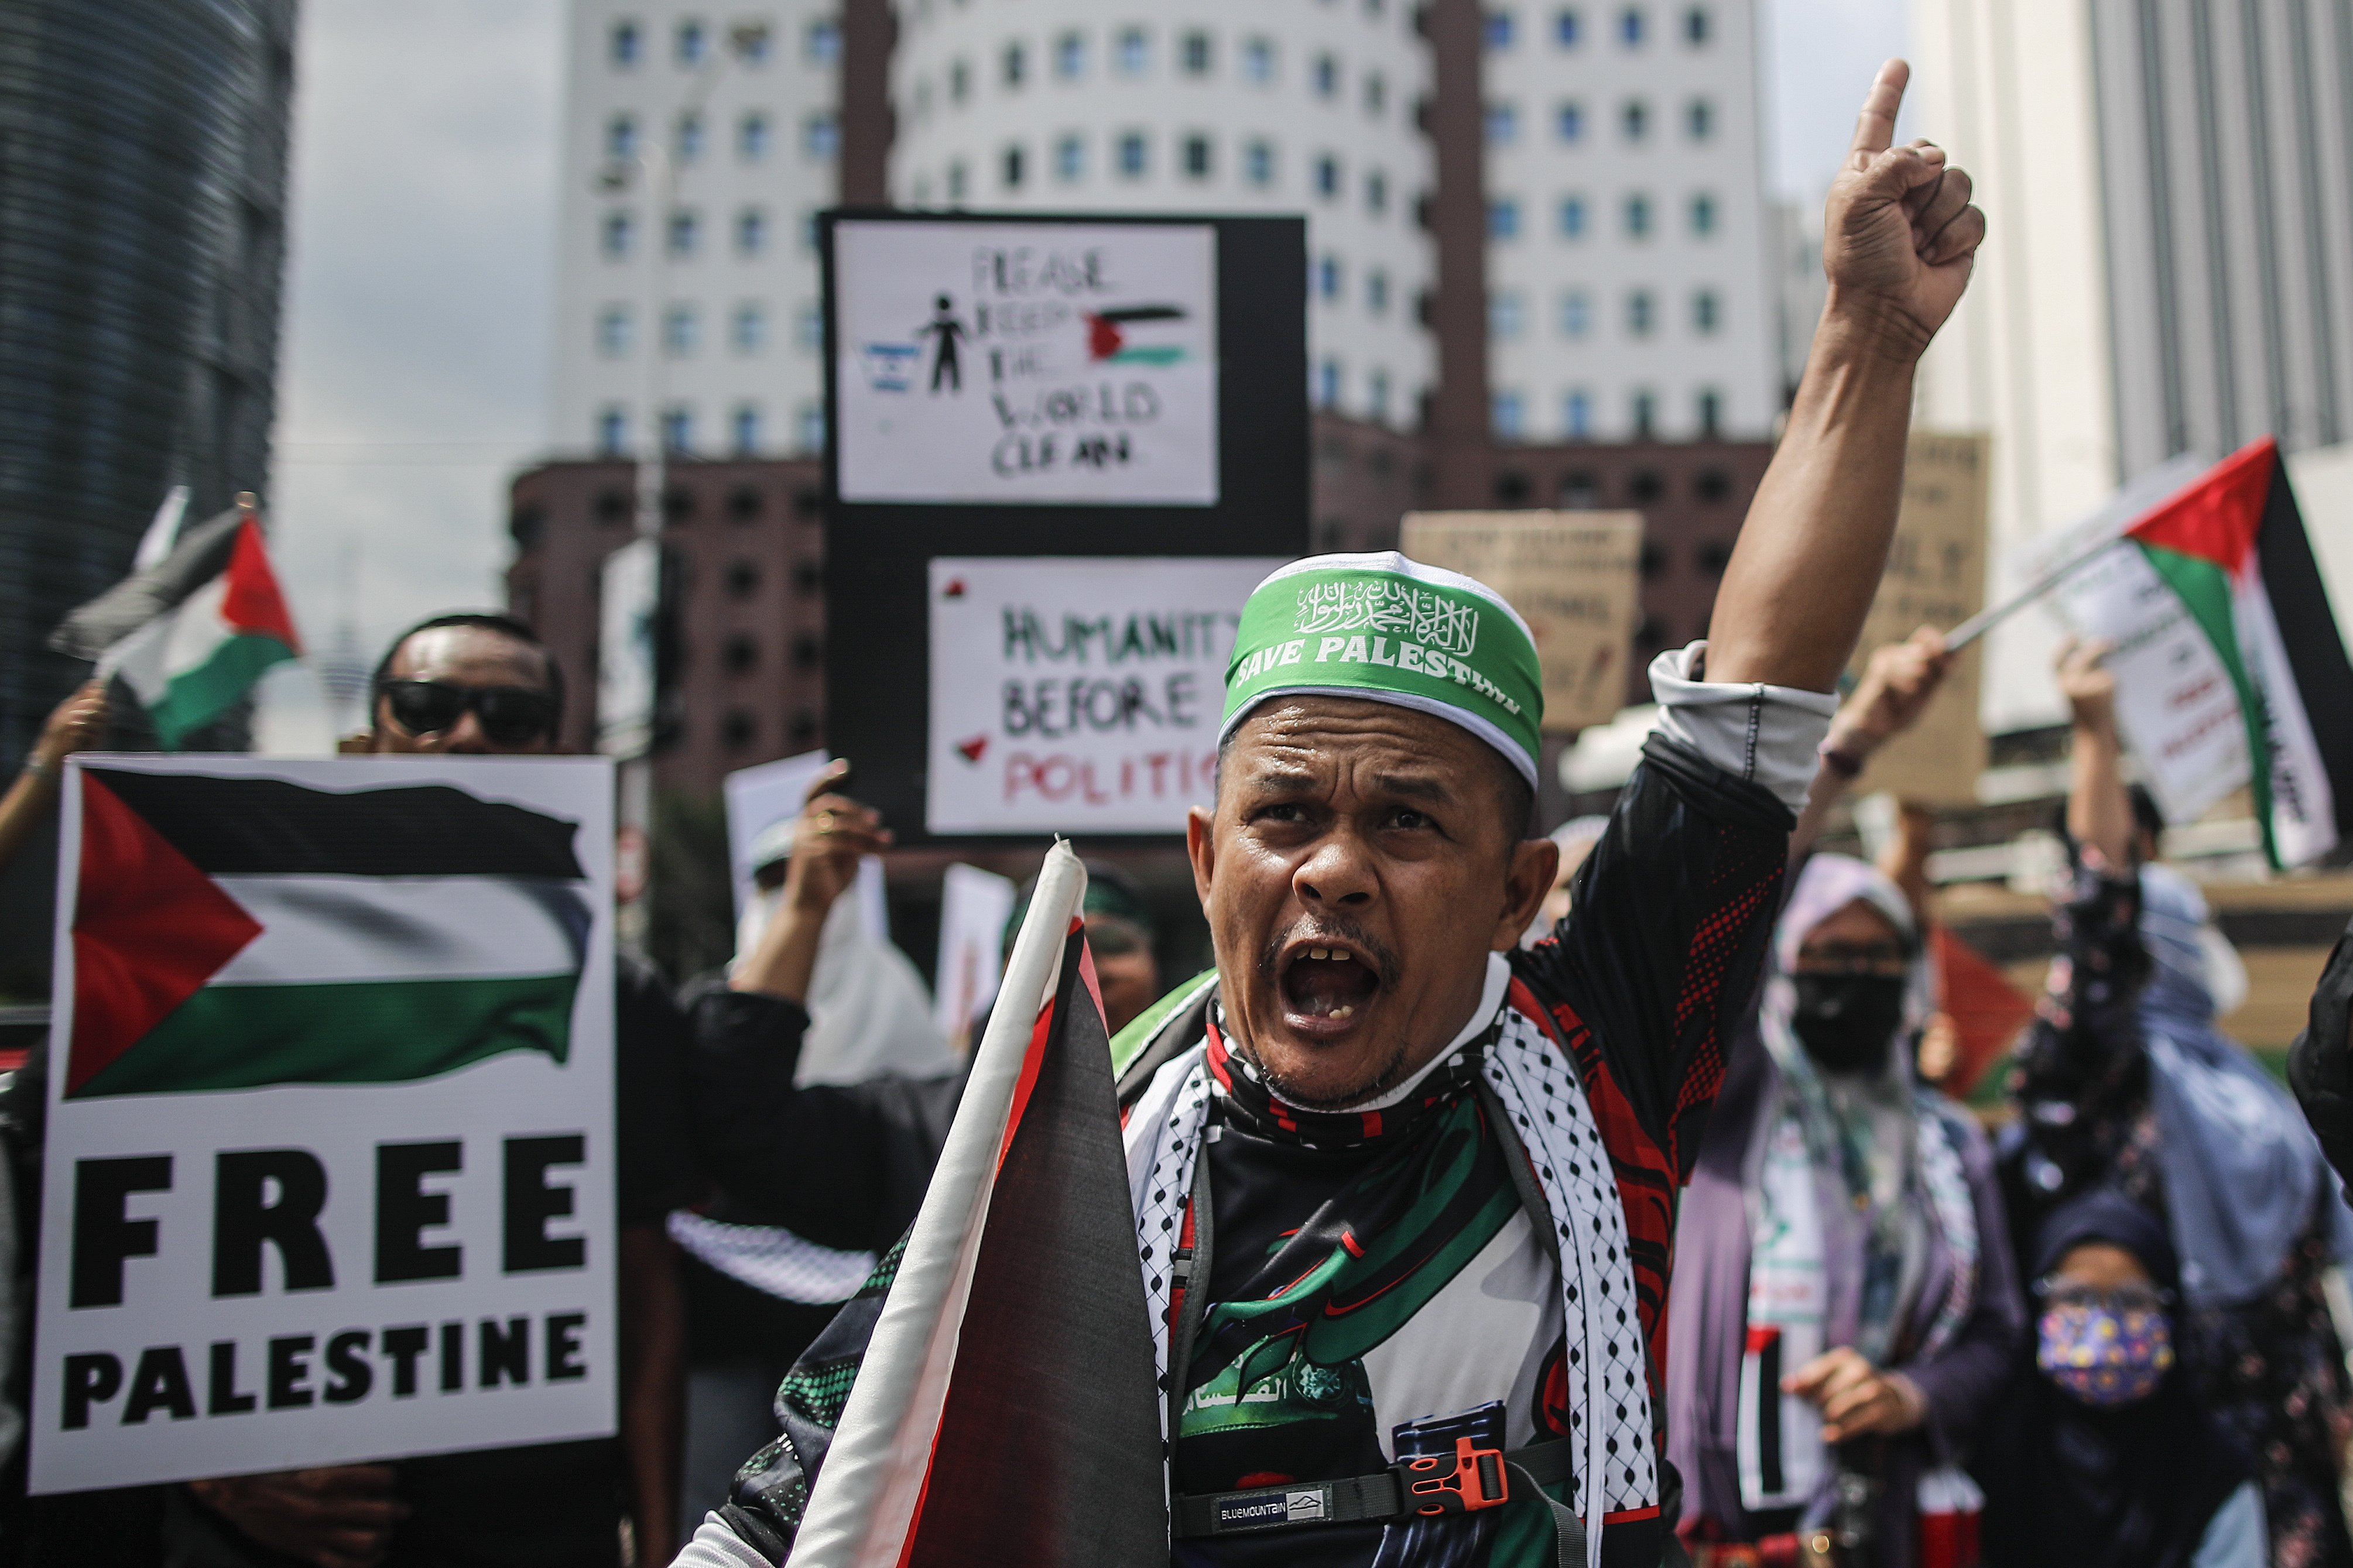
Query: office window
x: 1195, y: 154
x: 1503, y: 218
x: 1132, y: 154
x: 613, y: 331
x: 1377, y: 394
x: 1508, y: 415
x: 1575, y: 313
x: 692, y: 43
x: 1711, y: 412
x: 808, y: 329
x: 1376, y: 193
x: 1499, y: 30
x: 1699, y: 119
x: 1703, y: 213
x: 624, y: 45
x: 1568, y: 122
x: 1257, y: 164
x: 1572, y: 217
x: 1506, y: 315
x: 612, y: 433
x: 1630, y: 27
x: 1641, y: 312
x: 1070, y: 156
x: 684, y: 231
x: 616, y: 236
x: 1638, y: 217
x: 1502, y: 124
x: 1014, y: 163
x: 678, y: 428
x: 821, y: 136
x: 1576, y: 414
x: 751, y: 232
x: 746, y: 423
x: 959, y: 182
x: 1645, y: 411
x: 1325, y: 74
x: 821, y: 42
x: 1377, y: 292
x: 959, y: 81
x: 747, y: 328
x: 1636, y: 119
x: 1133, y: 51
x: 1327, y: 176
x: 1327, y: 385
x: 679, y: 333
x: 690, y: 138
x: 1707, y: 311
x: 621, y: 138
x: 752, y: 138
x: 1567, y: 27
x: 1016, y: 65
x: 1258, y: 61
x: 1327, y: 278
x: 1377, y: 94
x: 1070, y: 55
x: 1192, y: 53
x: 1697, y: 26
x: 812, y: 426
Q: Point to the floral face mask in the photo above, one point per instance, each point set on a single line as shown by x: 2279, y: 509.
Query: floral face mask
x: 2106, y: 1349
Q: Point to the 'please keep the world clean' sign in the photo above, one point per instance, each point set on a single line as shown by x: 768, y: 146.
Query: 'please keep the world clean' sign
x: 1072, y: 364
x: 1079, y: 694
x: 329, y: 1174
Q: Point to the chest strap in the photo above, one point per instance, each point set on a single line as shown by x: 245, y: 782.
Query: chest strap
x: 1464, y: 1481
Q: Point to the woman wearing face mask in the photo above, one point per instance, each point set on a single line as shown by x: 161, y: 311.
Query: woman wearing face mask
x: 1845, y: 1301
x: 2123, y: 1081
x: 2099, y: 1456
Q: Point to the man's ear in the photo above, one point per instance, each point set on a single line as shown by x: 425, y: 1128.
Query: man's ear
x: 1201, y: 848
x: 1529, y: 877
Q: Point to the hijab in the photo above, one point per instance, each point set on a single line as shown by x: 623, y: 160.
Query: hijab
x: 2133, y: 1486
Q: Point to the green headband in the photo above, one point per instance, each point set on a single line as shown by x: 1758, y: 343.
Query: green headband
x: 1388, y: 629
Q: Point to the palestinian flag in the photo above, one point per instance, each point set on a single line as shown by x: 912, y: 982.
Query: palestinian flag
x: 191, y: 633
x: 237, y: 932
x: 1005, y: 1409
x: 2232, y: 547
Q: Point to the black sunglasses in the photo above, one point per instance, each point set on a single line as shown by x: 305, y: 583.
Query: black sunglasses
x: 510, y: 715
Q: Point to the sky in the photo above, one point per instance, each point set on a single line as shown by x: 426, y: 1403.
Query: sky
x: 414, y: 374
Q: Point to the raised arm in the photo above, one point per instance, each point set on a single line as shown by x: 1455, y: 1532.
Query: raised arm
x: 1895, y: 691
x: 1899, y: 237
x: 2099, y: 811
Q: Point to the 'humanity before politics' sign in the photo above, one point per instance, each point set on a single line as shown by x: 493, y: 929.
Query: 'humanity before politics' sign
x: 329, y: 1174
x: 1079, y: 694
x: 1054, y: 363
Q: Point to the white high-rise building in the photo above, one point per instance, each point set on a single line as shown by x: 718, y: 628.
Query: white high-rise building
x: 1207, y: 106
x: 1627, y: 257
x: 697, y: 142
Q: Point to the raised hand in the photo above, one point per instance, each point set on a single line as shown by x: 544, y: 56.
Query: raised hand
x: 833, y: 834
x: 2087, y: 682
x: 1895, y: 688
x: 1899, y: 234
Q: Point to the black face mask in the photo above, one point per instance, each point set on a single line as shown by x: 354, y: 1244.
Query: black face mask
x: 1847, y: 1022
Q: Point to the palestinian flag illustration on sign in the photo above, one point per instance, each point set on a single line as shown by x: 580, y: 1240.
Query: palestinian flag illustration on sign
x: 1109, y: 331
x: 2233, y: 548
x: 235, y: 932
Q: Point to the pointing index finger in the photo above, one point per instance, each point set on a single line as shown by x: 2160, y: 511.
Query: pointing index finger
x: 1874, y: 128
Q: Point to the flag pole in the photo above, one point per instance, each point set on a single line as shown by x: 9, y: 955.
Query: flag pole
x: 1969, y: 631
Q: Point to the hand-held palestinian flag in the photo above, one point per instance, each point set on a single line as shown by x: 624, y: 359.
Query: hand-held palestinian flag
x: 1006, y: 1407
x: 237, y: 932
x: 191, y: 633
x: 2233, y: 548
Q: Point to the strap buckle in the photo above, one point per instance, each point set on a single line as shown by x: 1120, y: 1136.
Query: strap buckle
x: 1470, y: 1479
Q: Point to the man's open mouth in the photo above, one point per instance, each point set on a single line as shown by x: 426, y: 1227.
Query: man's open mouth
x: 1323, y: 979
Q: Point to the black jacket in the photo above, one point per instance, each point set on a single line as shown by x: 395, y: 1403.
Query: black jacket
x: 2320, y: 1065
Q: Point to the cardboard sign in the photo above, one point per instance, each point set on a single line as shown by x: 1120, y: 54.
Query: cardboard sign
x: 1574, y: 577
x: 329, y: 1174
x: 1936, y: 576
x: 1077, y: 694
x: 1009, y: 362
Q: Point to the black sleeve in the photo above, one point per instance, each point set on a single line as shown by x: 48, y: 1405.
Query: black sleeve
x: 654, y: 1161
x: 843, y: 1165
x: 1661, y: 950
x: 2080, y: 1072
x: 2320, y: 1068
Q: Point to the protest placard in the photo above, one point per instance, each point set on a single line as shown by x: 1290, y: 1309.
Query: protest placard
x: 1936, y: 576
x: 329, y: 1169
x: 1010, y: 362
x: 975, y: 906
x: 1077, y: 694
x: 1574, y: 577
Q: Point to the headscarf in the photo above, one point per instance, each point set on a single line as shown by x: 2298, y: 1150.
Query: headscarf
x: 1877, y: 1132
x: 868, y: 1012
x: 2132, y: 1486
x: 2242, y: 1169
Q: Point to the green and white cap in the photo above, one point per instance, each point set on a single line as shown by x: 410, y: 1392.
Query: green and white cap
x: 1388, y: 629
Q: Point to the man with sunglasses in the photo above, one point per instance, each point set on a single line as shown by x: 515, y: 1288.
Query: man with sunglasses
x: 484, y: 685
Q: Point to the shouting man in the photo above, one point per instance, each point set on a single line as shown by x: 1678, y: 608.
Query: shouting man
x: 1402, y: 1190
